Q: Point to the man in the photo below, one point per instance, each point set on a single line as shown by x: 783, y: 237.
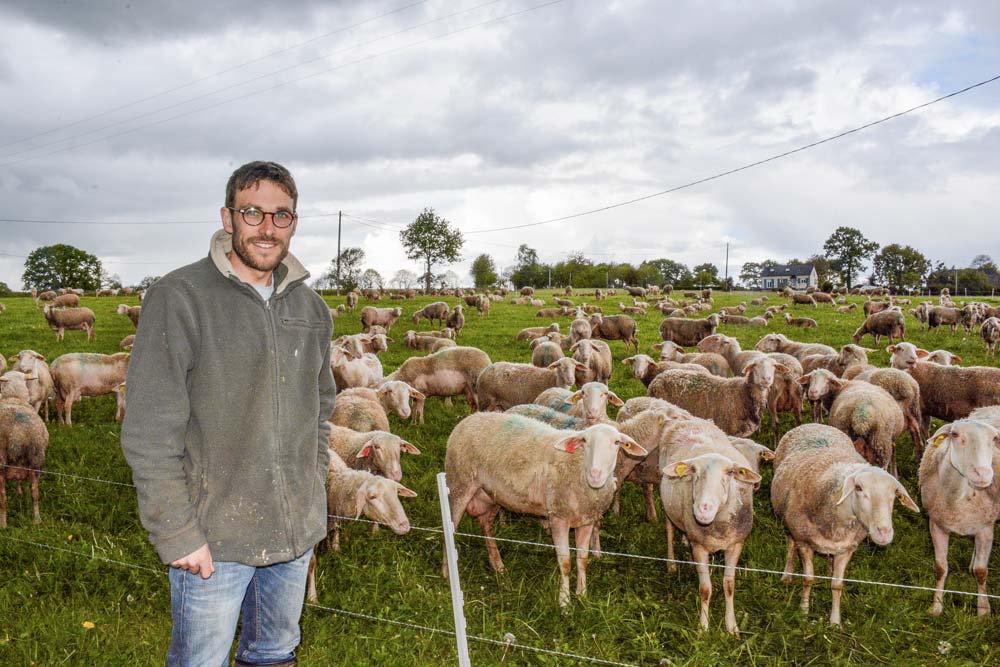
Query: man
x: 229, y: 391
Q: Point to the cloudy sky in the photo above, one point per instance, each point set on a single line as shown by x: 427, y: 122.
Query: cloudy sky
x: 497, y: 114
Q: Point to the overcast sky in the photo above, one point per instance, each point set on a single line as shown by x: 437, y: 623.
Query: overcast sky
x: 496, y: 114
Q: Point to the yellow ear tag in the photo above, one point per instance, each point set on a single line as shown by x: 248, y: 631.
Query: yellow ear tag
x: 680, y: 469
x: 938, y: 440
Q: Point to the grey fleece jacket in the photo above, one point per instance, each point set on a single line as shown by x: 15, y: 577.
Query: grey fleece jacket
x: 226, y: 428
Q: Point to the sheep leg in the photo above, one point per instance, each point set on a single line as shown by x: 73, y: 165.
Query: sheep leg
x: 840, y: 562
x: 786, y: 576
x: 311, y: 580
x: 68, y: 407
x: 700, y: 556
x: 729, y: 586
x: 647, y: 490
x: 669, y: 527
x: 459, y: 503
x: 3, y: 500
x: 980, y: 563
x: 806, y: 556
x: 616, y: 505
x: 335, y: 541
x: 560, y: 536
x: 486, y: 523
x: 583, y: 536
x: 35, y: 476
x: 595, y: 539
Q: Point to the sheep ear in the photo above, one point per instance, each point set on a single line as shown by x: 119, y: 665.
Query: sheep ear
x: 922, y: 353
x: 629, y: 362
x: 905, y: 499
x: 419, y: 395
x: 781, y: 368
x: 389, y: 340
x: 614, y: 400
x: 631, y: 447
x: 805, y: 379
x: 366, y: 450
x: 42, y: 357
x: 939, y: 436
x: 745, y: 475
x: 569, y: 443
x: 765, y: 453
x: 574, y: 397
x: 360, y: 499
x: 579, y: 366
x: 847, y: 490
x: 891, y: 349
x: 679, y: 469
x: 749, y: 369
x: 405, y: 492
x: 409, y: 448
x: 956, y: 359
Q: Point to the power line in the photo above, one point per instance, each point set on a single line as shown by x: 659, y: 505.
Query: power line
x: 737, y: 169
x: 264, y: 76
x: 214, y: 74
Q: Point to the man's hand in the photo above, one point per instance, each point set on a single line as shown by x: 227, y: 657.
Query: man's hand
x: 197, y: 561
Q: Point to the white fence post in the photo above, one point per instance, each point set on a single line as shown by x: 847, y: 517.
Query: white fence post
x: 457, y: 598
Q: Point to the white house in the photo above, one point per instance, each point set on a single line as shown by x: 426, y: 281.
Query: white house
x: 797, y: 276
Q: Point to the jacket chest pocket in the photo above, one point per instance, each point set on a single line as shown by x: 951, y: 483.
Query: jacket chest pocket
x: 300, y: 323
x: 300, y: 342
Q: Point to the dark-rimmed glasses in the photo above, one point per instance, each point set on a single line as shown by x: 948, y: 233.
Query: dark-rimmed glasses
x: 253, y: 216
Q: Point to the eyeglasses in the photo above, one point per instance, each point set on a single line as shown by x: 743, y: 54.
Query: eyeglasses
x: 253, y: 216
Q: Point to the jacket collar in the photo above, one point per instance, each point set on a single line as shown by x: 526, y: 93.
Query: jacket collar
x: 289, y: 272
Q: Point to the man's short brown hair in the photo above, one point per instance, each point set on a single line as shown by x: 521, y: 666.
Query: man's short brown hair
x: 252, y: 173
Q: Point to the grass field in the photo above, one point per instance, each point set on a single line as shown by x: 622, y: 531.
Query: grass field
x: 636, y: 612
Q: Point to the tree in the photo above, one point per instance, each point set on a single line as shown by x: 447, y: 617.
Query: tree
x: 4, y: 289
x: 671, y: 272
x: 750, y: 275
x: 350, y: 269
x: 847, y: 248
x: 61, y: 265
x: 900, y: 267
x: 146, y: 282
x: 110, y: 280
x: 404, y: 278
x: 528, y: 271
x: 484, y: 271
x: 823, y: 268
x: 706, y: 274
x: 371, y: 279
x: 432, y: 240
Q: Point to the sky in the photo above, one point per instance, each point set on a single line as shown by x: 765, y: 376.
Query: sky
x: 497, y: 114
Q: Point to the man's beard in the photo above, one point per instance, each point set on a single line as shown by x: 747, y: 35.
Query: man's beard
x: 243, y: 249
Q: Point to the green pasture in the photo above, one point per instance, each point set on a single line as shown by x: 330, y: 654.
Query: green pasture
x: 636, y: 613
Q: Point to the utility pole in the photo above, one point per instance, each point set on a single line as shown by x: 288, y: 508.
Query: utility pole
x: 340, y: 215
x: 727, y: 267
x: 953, y: 268
x: 550, y: 278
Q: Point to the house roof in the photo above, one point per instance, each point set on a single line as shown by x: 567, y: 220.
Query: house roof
x: 783, y: 270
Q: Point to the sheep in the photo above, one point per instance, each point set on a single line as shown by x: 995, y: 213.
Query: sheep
x: 496, y: 461
x: 946, y: 392
x: 352, y: 300
x: 504, y: 384
x: 938, y: 315
x: 865, y: 412
x: 23, y: 440
x: 871, y: 307
x: 823, y: 297
x: 66, y: 301
x: 359, y: 412
x: 959, y: 480
x: 734, y: 310
x: 337, y: 312
x: 456, y: 320
x: 546, y: 353
x: 595, y: 357
x: 847, y: 309
x: 889, y: 322
x: 737, y: 319
x: 556, y: 398
x: 447, y: 373
x: 550, y: 313
x: 804, y: 299
x: 554, y: 418
x: 433, y: 312
x: 47, y: 295
x: 707, y: 493
x: 531, y: 333
x: 351, y: 493
x: 527, y: 291
x: 753, y: 452
x: 990, y: 332
x: 970, y: 316
x: 61, y: 319
x: 781, y: 343
x: 483, y: 305
x: 365, y: 371
x: 631, y: 310
x: 79, y: 374
x: 636, y: 291
x: 714, y: 362
x: 802, y: 322
x: 536, y: 303
x: 579, y: 330
x: 384, y: 317
x: 646, y: 369
x: 904, y: 390
x: 564, y: 302
x: 377, y: 452
x: 688, y: 332
x: 830, y: 500
x: 132, y: 312
x: 734, y: 404
x: 944, y: 358
x: 758, y: 321
x: 638, y: 404
x: 34, y: 364
x: 849, y: 355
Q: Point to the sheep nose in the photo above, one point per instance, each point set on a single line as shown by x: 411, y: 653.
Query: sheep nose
x: 396, y: 475
x: 882, y: 535
x: 404, y: 526
x: 981, y: 476
x: 596, y: 476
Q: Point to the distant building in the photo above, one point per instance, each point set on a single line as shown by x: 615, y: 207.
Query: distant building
x: 797, y: 276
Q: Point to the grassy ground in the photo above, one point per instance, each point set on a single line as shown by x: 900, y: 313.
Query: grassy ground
x: 636, y: 612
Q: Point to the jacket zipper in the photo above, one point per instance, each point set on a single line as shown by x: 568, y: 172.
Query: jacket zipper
x: 285, y: 506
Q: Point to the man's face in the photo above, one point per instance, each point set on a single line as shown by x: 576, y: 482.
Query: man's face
x: 259, y: 248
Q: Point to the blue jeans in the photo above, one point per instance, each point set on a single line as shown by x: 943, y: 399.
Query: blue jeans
x: 205, y: 612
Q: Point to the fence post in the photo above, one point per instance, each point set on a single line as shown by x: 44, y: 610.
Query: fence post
x: 457, y: 598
